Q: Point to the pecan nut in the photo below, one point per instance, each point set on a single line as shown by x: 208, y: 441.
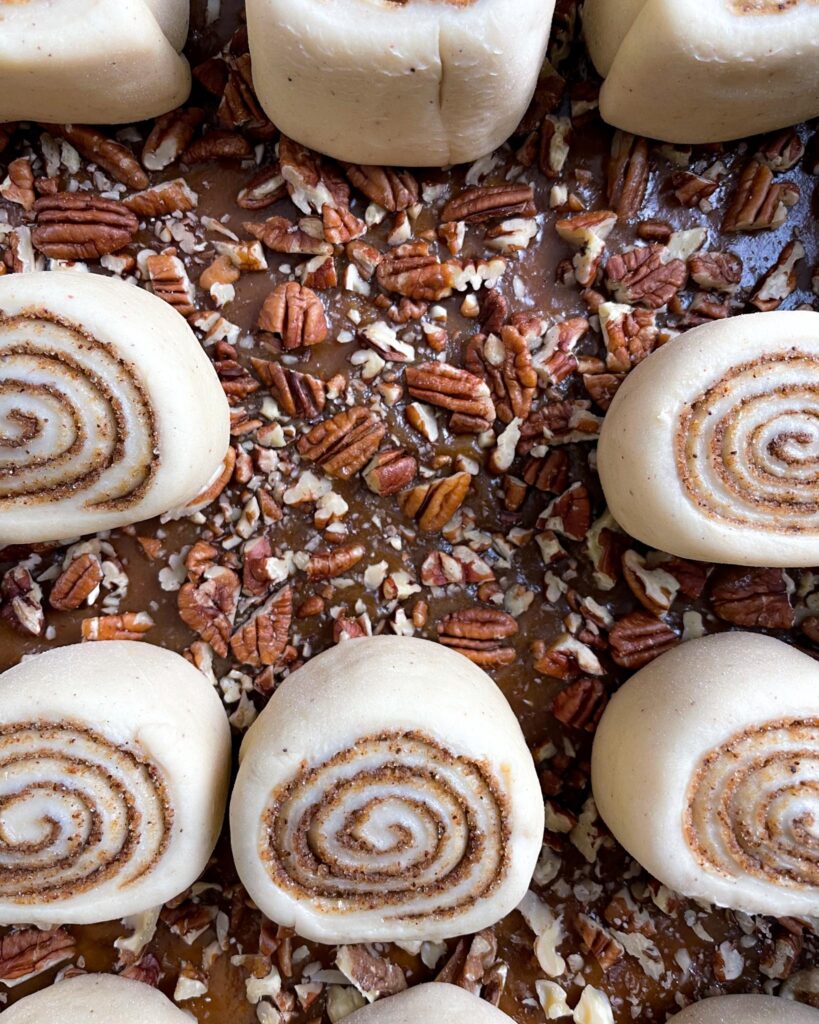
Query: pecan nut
x: 490, y: 202
x: 296, y: 314
x: 580, y: 704
x: 716, y: 271
x: 325, y: 565
x: 76, y: 583
x: 265, y: 188
x: 21, y: 602
x: 19, y: 185
x: 434, y: 503
x: 263, y: 638
x: 390, y: 471
x: 413, y: 271
x: 452, y: 388
x: 752, y: 597
x: 170, y: 136
x: 759, y: 203
x: 478, y: 634
x: 344, y: 444
x: 30, y: 951
x: 645, y: 275
x: 170, y: 282
x: 639, y: 638
x: 174, y: 196
x: 630, y: 334
x: 298, y: 394
x: 127, y: 626
x: 209, y: 608
x: 597, y: 940
x: 393, y: 190
x: 506, y: 363
x: 81, y: 226
x: 111, y: 156
x: 219, y: 144
x: 281, y: 235
x: 627, y: 177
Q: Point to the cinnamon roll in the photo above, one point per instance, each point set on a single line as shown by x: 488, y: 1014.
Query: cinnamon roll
x: 85, y: 61
x: 710, y: 449
x: 110, y: 412
x: 114, y: 764
x: 705, y: 767
x: 103, y: 998
x: 334, y: 77
x: 386, y: 793
x: 433, y: 1001
x: 687, y: 72
x: 750, y: 1009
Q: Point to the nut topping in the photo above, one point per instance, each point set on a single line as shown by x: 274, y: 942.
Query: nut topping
x: 758, y: 204
x: 627, y: 174
x: 390, y: 471
x: 296, y: 314
x: 298, y: 394
x: 393, y: 190
x: 76, y: 583
x: 490, y: 202
x: 170, y: 136
x: 645, y: 275
x: 263, y: 638
x: 344, y: 444
x: 112, y: 156
x: 325, y: 565
x: 412, y: 270
x: 281, y: 235
x: 81, y: 226
x: 478, y: 634
x: 759, y: 598
x: 452, y: 388
x: 639, y: 638
x: 434, y: 503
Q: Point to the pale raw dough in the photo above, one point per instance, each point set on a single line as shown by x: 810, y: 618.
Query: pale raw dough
x: 436, y: 1001
x: 421, y: 83
x: 705, y: 767
x: 101, y: 998
x: 92, y: 61
x: 750, y: 1009
x: 84, y: 730
x: 696, y: 71
x: 711, y: 446
x: 153, y: 419
x: 454, y: 743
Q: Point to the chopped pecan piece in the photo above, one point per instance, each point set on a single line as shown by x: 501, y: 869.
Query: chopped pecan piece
x: 264, y: 188
x: 341, y: 225
x: 76, y: 583
x: 263, y: 638
x: 296, y: 314
x: 298, y: 394
x: 639, y: 638
x: 603, y: 947
x: 654, y: 588
x: 311, y: 182
x: 390, y: 471
x: 434, y: 503
x: 209, y: 608
x: 239, y: 107
x: 759, y: 204
x: 324, y: 565
x: 364, y: 257
x: 170, y: 136
x: 630, y: 334
x: 780, y: 280
x: 281, y: 235
x: 645, y: 275
x: 111, y: 156
x: 21, y: 602
x: 580, y: 704
x: 452, y: 388
x: 549, y: 473
x: 27, y: 952
x: 81, y: 226
x: 690, y: 188
x: 412, y: 270
x: 19, y: 184
x: 587, y: 232
x: 782, y: 151
x: 128, y: 626
x: 344, y: 444
x: 506, y: 363
x: 490, y: 202
x: 174, y: 196
x: 602, y: 387
x: 374, y: 976
x: 758, y: 598
x: 716, y: 271
x: 478, y: 634
x: 494, y: 311
x: 169, y: 280
x: 565, y: 658
x: 393, y: 190
x: 219, y: 144
x: 556, y: 360
x: 627, y: 177
x: 569, y: 513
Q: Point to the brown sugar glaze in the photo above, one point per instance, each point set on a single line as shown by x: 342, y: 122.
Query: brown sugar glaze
x: 701, y: 951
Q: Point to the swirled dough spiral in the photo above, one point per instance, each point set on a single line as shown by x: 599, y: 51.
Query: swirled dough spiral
x: 415, y: 83
x: 750, y: 1009
x: 85, y: 61
x: 102, y: 998
x: 705, y: 767
x: 114, y: 763
x: 110, y: 412
x: 433, y: 1001
x: 710, y: 449
x: 695, y: 71
x: 386, y: 793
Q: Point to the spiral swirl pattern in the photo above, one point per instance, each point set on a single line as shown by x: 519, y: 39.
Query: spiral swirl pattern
x: 76, y: 810
x: 395, y: 823
x: 753, y: 803
x: 75, y: 419
x: 748, y: 447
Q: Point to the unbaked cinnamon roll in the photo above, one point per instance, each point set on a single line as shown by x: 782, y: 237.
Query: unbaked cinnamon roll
x: 434, y: 1001
x: 705, y: 767
x: 110, y: 412
x: 102, y: 998
x: 689, y: 71
x: 710, y: 449
x: 92, y: 61
x: 413, y: 83
x: 386, y: 793
x: 750, y: 1009
x: 114, y: 764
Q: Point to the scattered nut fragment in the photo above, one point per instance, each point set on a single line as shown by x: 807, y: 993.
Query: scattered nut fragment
x: 580, y: 704
x: 170, y: 136
x: 490, y: 202
x: 627, y: 177
x: 716, y: 271
x: 112, y: 156
x: 265, y: 188
x: 174, y: 196
x: 128, y: 626
x: 454, y: 389
x: 281, y: 235
x: 76, y: 583
x: 390, y: 471
x: 21, y: 602
x: 18, y: 186
x: 170, y: 281
x: 587, y: 232
x: 298, y: 394
x: 324, y: 565
x: 781, y: 280
x: 392, y: 190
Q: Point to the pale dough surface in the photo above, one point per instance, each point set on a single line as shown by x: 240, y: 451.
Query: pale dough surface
x: 166, y: 717
x: 425, y: 83
x: 750, y: 1009
x: 696, y: 743
x: 697, y: 71
x: 92, y: 61
x: 710, y: 449
x: 342, y: 704
x: 101, y: 998
x: 436, y: 1001
x: 110, y: 411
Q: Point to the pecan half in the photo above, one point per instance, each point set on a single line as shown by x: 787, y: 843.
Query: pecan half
x: 549, y: 473
x: 490, y: 202
x: 690, y: 188
x: 21, y: 602
x: 645, y: 275
x: 30, y: 951
x: 580, y: 704
x: 296, y: 314
x: 345, y: 443
x: 602, y: 387
x: 325, y: 565
x: 412, y: 270
x: 627, y: 177
x: 752, y: 597
x: 759, y: 204
x: 209, y: 608
x: 112, y: 156
x: 76, y: 583
x: 506, y: 363
x: 263, y: 638
x: 341, y: 225
x: 170, y: 136
x: 174, y: 196
x: 390, y: 471
x: 281, y: 235
x: 128, y: 626
x: 478, y: 634
x: 434, y: 503
x: 19, y: 184
x: 239, y: 107
x: 298, y: 394
x: 716, y: 271
x: 452, y: 388
x: 393, y: 190
x: 630, y: 335
x: 264, y: 188
x: 639, y: 638
x: 81, y: 226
